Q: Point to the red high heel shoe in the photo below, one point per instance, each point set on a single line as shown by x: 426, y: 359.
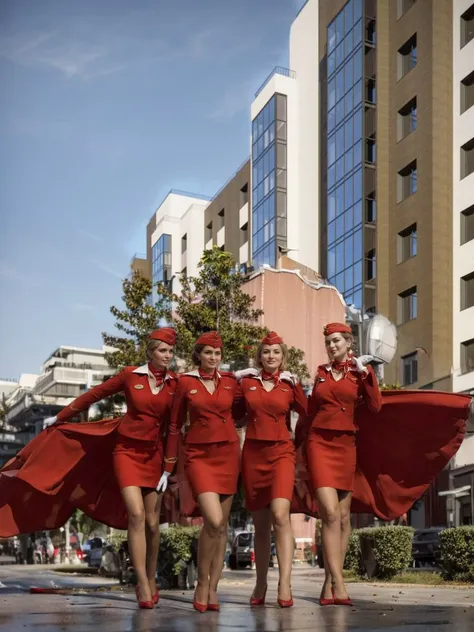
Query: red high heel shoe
x: 215, y: 607
x: 326, y: 602
x: 200, y: 607
x: 341, y: 602
x: 285, y: 603
x: 156, y: 596
x: 145, y: 605
x: 258, y: 602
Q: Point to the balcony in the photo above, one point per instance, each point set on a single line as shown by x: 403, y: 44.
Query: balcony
x: 278, y: 70
x: 244, y: 252
x: 221, y: 237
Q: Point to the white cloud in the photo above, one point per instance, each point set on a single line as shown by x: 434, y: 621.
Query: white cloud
x: 106, y: 268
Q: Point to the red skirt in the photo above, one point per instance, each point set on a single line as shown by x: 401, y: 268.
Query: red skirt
x: 137, y: 463
x: 212, y: 467
x: 332, y: 458
x: 268, y: 472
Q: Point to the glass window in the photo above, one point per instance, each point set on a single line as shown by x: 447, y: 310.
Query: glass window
x: 339, y: 199
x: 349, y: 134
x: 331, y: 149
x: 331, y: 232
x: 358, y: 33
x: 349, y: 252
x: 340, y: 112
x: 332, y: 94
x: 357, y: 125
x: 358, y: 185
x: 348, y: 192
x: 348, y: 73
x: 358, y: 245
x: 348, y: 16
x: 266, y: 117
x: 331, y: 262
x: 348, y: 102
x: 358, y: 153
x: 331, y: 63
x: 271, y: 107
x: 358, y: 213
x: 357, y: 273
x: 331, y: 176
x: 340, y: 168
x: 349, y: 161
x: 348, y: 43
x: 331, y: 36
x: 349, y: 220
x: 339, y: 54
x: 331, y: 206
x: 358, y: 93
x: 340, y: 282
x: 331, y: 120
x: 339, y: 27
x: 358, y: 65
x: 358, y: 298
x: 340, y: 226
x: 340, y: 142
x: 357, y: 10
x: 339, y: 85
x: 348, y: 278
x: 340, y: 257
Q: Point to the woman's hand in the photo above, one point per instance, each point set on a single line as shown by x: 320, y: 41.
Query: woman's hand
x: 50, y: 421
x: 163, y: 483
x: 361, y: 362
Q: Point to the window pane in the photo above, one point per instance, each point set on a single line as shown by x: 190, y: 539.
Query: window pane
x: 332, y: 94
x: 340, y: 257
x: 340, y: 169
x: 339, y: 55
x: 358, y: 213
x: 349, y: 221
x: 349, y: 252
x: 339, y: 85
x: 339, y: 226
x: 348, y: 134
x: 339, y: 27
x: 357, y: 10
x: 358, y: 153
x: 331, y: 232
x: 358, y: 185
x: 331, y: 36
x: 331, y: 262
x: 331, y: 206
x: 348, y: 192
x: 348, y: 278
x: 357, y: 125
x: 349, y: 161
x: 357, y: 33
x: 348, y: 73
x: 357, y: 273
x: 331, y: 63
x: 357, y: 245
x: 331, y: 176
x: 349, y: 43
x: 358, y: 65
x: 358, y: 93
x: 331, y: 120
x: 339, y: 199
x: 348, y: 101
x: 339, y: 112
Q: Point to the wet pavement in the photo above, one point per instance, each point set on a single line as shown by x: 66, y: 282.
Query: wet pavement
x: 114, y: 609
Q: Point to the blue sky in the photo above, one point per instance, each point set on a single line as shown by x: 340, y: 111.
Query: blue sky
x: 105, y: 107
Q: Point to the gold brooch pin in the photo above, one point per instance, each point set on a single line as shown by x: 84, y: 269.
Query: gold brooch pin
x: 138, y: 387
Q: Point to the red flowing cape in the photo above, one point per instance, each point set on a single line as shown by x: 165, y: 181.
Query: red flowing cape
x: 64, y: 467
x: 400, y: 450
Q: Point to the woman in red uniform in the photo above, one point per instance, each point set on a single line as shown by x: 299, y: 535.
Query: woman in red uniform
x: 212, y: 456
x: 138, y: 452
x: 268, y: 460
x: 331, y: 448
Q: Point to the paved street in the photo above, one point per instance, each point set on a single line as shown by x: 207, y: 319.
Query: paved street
x: 101, y: 604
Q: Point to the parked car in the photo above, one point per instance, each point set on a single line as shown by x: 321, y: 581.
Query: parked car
x: 426, y: 546
x: 93, y: 549
x: 242, y: 551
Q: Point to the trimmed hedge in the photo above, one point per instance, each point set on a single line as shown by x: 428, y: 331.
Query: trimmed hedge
x: 457, y: 553
x: 391, y: 549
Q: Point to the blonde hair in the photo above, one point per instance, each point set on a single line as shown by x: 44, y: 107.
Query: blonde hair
x: 284, y: 352
x: 151, y: 346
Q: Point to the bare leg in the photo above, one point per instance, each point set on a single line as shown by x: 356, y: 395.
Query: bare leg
x: 285, y: 544
x: 262, y: 521
x: 328, y: 502
x: 218, y: 561
x: 345, y: 499
x: 152, y: 502
x: 133, y: 500
x: 209, y: 541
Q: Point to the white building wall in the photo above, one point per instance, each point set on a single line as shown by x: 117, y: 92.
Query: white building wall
x: 181, y: 214
x: 463, y: 197
x: 304, y: 207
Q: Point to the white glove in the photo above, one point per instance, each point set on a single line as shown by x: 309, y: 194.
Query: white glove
x: 163, y: 483
x: 245, y: 373
x: 289, y: 377
x: 361, y: 362
x: 49, y: 421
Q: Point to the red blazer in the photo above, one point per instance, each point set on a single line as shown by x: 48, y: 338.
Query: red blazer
x: 332, y: 403
x: 268, y: 412
x: 147, y: 413
x: 210, y: 416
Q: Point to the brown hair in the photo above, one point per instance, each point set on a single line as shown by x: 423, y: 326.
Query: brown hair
x: 196, y: 360
x: 284, y: 352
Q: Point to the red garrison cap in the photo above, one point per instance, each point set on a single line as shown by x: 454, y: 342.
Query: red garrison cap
x: 272, y: 338
x: 333, y: 328
x: 210, y: 338
x: 165, y: 334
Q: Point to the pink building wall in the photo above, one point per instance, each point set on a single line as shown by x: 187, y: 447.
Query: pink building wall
x: 297, y: 310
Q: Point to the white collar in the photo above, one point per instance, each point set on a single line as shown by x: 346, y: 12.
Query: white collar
x: 195, y: 373
x: 144, y: 370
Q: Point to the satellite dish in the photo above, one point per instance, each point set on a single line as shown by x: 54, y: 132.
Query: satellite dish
x: 381, y: 339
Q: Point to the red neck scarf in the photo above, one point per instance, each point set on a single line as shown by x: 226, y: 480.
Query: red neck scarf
x: 341, y: 367
x: 271, y: 377
x: 158, y: 374
x: 207, y: 376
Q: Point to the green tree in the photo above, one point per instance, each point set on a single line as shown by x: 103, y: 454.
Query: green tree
x: 136, y: 320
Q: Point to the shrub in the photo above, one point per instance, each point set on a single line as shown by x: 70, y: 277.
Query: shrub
x: 391, y: 546
x: 175, y: 551
x: 457, y: 553
x: 353, y: 560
